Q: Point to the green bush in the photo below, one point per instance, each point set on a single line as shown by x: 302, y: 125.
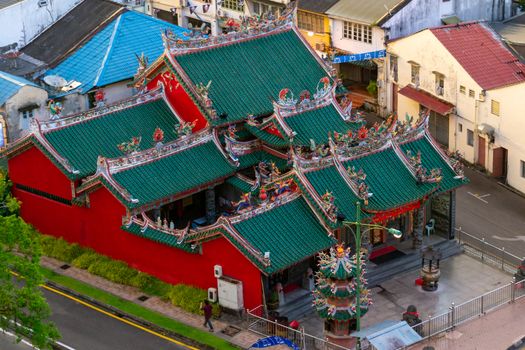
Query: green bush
x: 151, y: 285
x: 60, y: 249
x: 190, y: 298
x: 85, y: 260
x: 113, y: 270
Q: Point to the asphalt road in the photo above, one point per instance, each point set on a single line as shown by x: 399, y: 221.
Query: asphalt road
x: 488, y: 210
x: 83, y: 328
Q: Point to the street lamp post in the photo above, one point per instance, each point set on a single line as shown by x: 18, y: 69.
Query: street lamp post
x: 357, y: 236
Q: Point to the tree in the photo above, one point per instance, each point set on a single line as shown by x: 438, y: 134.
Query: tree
x: 23, y: 308
x: 521, y: 5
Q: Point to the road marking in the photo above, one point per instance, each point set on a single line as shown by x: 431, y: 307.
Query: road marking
x: 112, y: 316
x: 480, y: 197
x: 15, y: 336
x: 119, y: 318
x: 510, y: 239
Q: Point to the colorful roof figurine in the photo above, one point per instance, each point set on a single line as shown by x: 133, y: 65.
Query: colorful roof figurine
x: 10, y: 84
x: 291, y: 230
x: 307, y: 120
x: 75, y: 142
x: 110, y: 55
x: 242, y: 70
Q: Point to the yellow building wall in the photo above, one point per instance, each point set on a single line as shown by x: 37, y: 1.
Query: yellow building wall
x: 318, y: 39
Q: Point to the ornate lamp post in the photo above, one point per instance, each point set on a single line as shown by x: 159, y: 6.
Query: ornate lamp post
x: 357, y: 237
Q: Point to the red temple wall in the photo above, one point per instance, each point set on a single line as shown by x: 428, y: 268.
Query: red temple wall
x: 180, y: 101
x: 32, y: 168
x: 99, y: 225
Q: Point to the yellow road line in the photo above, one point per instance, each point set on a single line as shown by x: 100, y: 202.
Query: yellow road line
x: 113, y: 316
x: 119, y: 318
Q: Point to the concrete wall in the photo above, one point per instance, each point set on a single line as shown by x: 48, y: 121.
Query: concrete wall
x: 23, y: 21
x: 26, y: 96
x: 422, y: 14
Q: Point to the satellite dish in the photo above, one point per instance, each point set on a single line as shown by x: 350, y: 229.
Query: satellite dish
x: 55, y: 81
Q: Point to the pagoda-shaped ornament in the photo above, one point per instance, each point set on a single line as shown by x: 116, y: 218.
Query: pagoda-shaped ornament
x: 336, y: 297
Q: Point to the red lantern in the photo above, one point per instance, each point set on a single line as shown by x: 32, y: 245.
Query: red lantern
x: 99, y: 95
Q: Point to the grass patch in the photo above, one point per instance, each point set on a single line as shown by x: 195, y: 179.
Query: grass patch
x: 131, y: 308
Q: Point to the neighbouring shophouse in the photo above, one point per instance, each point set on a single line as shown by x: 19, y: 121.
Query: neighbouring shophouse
x: 314, y: 23
x: 471, y: 83
x: 361, y: 28
x: 234, y: 176
x: 100, y: 70
x: 213, y: 16
x: 22, y: 20
x: 21, y: 102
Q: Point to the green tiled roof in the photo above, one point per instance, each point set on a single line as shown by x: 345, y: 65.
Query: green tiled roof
x: 157, y: 236
x: 254, y: 158
x: 431, y: 159
x: 173, y: 174
x: 290, y: 233
x: 246, y: 75
x: 389, y: 180
x: 83, y: 142
x: 239, y: 184
x: 270, y: 139
x: 316, y: 124
x: 329, y: 179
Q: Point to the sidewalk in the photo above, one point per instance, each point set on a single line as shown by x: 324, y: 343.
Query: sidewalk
x: 462, y: 278
x: 496, y: 330
x: 243, y: 339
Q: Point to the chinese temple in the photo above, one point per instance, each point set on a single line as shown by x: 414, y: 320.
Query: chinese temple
x: 236, y: 159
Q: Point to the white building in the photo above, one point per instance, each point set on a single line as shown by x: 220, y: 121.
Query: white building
x: 213, y: 14
x: 22, y: 20
x: 472, y: 85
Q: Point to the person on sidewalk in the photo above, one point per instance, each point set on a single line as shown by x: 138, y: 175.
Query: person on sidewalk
x: 207, y: 308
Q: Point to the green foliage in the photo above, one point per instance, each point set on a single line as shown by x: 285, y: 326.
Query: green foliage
x: 61, y: 249
x: 85, y: 260
x: 113, y: 270
x: 521, y: 5
x: 190, y: 298
x: 372, y: 88
x: 20, y: 297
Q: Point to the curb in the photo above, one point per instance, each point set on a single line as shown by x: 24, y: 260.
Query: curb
x: 127, y: 316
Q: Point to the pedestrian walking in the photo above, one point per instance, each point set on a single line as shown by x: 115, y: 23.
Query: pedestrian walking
x: 207, y: 308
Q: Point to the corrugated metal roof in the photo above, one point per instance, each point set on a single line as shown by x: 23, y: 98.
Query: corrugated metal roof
x: 80, y: 23
x: 10, y: 84
x: 317, y: 6
x: 109, y: 56
x: 6, y: 3
x: 364, y: 11
x: 477, y: 48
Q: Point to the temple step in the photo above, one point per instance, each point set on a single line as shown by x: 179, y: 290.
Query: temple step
x: 380, y: 273
x: 298, y: 304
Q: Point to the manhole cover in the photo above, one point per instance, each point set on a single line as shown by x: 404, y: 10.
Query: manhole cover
x: 65, y: 267
x: 143, y: 298
x: 231, y: 330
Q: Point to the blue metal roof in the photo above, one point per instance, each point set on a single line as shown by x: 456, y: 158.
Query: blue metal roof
x: 109, y: 56
x: 10, y: 84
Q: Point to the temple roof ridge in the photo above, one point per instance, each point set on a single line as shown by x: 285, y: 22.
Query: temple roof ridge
x: 136, y: 100
x: 251, y: 28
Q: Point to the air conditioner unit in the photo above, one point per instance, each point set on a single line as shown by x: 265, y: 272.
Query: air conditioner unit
x: 217, y: 271
x: 212, y: 295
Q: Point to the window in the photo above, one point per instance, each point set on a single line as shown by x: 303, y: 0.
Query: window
x: 440, y: 84
x: 261, y: 9
x: 236, y: 5
x: 393, y: 67
x: 357, y: 32
x: 494, y: 107
x: 414, y: 74
x: 471, y: 93
x: 463, y: 89
x: 460, y: 127
x: 522, y: 169
x: 470, y: 137
x: 310, y: 22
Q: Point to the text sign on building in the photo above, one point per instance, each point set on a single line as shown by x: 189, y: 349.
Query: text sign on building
x: 273, y: 341
x: 360, y: 56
